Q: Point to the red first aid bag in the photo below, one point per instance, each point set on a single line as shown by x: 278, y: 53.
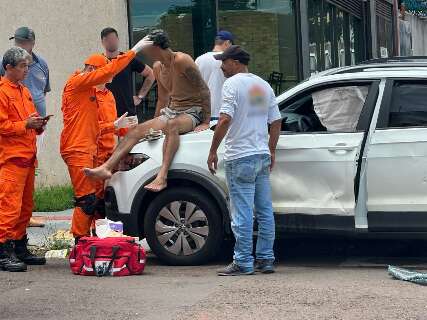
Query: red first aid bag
x: 117, y: 257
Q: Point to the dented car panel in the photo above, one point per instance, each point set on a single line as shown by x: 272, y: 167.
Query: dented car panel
x: 315, y: 173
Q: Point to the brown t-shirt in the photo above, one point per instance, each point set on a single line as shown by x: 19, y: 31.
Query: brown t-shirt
x: 181, y: 92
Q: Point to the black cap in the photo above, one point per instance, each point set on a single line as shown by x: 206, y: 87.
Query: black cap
x: 236, y: 53
x: 24, y: 33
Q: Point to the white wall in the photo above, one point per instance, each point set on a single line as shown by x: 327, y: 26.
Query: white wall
x: 67, y: 31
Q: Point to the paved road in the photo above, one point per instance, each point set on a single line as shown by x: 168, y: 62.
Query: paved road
x: 304, y: 287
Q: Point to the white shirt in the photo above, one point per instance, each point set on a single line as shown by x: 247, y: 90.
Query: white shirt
x: 210, y: 68
x: 251, y: 103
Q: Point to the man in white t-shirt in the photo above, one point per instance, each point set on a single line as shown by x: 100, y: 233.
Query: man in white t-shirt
x: 210, y: 68
x: 248, y: 106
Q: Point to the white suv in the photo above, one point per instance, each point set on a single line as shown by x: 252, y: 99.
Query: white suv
x: 352, y: 158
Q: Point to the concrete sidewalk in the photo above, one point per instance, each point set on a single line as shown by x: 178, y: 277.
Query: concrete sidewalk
x: 55, y: 221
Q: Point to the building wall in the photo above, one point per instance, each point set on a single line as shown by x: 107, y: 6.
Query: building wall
x: 66, y: 32
x: 257, y: 32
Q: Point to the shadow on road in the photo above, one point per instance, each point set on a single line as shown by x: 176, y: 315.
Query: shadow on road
x: 342, y: 252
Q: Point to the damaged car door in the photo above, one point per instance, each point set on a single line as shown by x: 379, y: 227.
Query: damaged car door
x: 319, y: 148
x: 397, y: 160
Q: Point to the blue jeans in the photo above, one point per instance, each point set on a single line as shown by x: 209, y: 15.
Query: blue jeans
x: 249, y: 186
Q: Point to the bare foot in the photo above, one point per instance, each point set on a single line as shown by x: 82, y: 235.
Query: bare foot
x: 37, y: 222
x: 157, y: 185
x: 99, y: 173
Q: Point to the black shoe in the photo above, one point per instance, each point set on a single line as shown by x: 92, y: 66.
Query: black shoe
x: 264, y: 266
x: 25, y: 255
x: 8, y: 259
x: 234, y: 270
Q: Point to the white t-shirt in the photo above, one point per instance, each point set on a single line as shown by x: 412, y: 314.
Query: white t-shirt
x: 210, y: 68
x: 251, y: 103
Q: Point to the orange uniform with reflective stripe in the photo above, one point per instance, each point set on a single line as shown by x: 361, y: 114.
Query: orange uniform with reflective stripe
x: 16, y: 105
x: 17, y: 160
x: 81, y: 129
x: 80, y: 114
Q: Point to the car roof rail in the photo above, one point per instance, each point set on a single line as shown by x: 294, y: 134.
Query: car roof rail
x: 395, y: 59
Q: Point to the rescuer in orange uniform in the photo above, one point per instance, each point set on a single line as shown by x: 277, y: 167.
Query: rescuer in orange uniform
x: 81, y: 130
x: 109, y: 128
x: 19, y: 125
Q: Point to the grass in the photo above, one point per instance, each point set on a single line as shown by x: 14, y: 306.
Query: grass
x: 56, y: 198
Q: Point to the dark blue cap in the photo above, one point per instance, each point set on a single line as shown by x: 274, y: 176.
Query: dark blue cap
x: 225, y: 35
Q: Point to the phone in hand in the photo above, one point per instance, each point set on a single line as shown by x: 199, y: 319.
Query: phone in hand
x: 47, y: 117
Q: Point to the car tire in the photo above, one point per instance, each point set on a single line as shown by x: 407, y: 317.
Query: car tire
x: 192, y: 240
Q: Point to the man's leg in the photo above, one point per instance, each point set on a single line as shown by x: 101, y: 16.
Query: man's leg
x: 84, y: 192
x: 265, y: 217
x: 20, y: 237
x: 12, y: 185
x: 27, y: 206
x: 103, y: 172
x: 180, y: 125
x: 241, y: 177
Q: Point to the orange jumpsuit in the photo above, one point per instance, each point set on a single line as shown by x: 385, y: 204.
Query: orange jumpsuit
x: 79, y: 136
x: 17, y: 160
x: 107, y: 114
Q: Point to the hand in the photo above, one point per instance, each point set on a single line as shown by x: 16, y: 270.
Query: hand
x: 132, y: 121
x: 46, y: 120
x: 201, y: 127
x: 125, y: 122
x: 141, y: 44
x: 137, y: 100
x: 213, y: 162
x: 273, y: 161
x: 35, y: 122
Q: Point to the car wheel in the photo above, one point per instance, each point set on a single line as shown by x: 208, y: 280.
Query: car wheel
x: 183, y: 226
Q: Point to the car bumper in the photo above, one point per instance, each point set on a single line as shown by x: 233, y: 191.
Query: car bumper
x: 130, y: 221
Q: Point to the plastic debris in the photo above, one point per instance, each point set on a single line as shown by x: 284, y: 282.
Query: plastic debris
x: 408, y: 275
x: 58, y: 254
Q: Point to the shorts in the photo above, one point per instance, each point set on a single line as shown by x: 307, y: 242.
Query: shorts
x: 195, y: 113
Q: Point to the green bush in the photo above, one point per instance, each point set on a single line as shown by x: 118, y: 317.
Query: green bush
x: 56, y: 198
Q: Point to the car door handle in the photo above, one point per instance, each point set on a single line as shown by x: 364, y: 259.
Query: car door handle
x: 341, y: 147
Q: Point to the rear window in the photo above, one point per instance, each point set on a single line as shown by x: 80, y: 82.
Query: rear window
x: 408, y: 106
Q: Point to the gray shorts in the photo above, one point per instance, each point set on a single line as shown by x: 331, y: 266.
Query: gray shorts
x: 195, y: 113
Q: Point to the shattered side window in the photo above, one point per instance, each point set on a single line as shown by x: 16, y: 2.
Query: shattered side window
x: 408, y: 107
x: 339, y: 108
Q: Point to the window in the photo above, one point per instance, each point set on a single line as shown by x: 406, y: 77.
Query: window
x: 331, y: 109
x: 191, y: 26
x: 408, y: 106
x: 335, y: 36
x: 267, y: 29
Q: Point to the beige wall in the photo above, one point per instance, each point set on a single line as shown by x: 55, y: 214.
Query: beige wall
x: 66, y: 31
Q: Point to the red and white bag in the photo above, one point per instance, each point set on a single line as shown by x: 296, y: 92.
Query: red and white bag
x: 116, y: 257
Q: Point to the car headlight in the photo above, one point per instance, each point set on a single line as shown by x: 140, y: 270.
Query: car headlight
x: 131, y: 161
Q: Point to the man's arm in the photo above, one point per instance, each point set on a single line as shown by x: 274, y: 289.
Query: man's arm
x: 43, y: 63
x: 275, y: 121
x: 275, y: 128
x: 192, y: 73
x: 220, y: 132
x: 148, y: 81
x: 47, y: 87
x: 99, y: 76
x: 16, y: 128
